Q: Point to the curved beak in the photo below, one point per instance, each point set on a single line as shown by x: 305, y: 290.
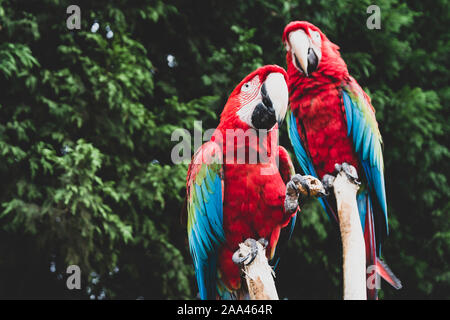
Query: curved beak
x: 277, y: 91
x: 273, y: 107
x: 304, y: 57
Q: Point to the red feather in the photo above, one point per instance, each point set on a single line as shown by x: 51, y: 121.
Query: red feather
x: 253, y: 203
x: 317, y: 105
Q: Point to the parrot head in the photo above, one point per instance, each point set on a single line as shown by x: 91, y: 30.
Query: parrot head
x: 310, y: 54
x: 259, y: 101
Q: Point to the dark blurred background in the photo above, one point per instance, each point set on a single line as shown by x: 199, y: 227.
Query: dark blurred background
x: 85, y: 139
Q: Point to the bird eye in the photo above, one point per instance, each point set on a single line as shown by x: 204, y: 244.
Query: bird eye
x: 315, y: 35
x: 246, y: 87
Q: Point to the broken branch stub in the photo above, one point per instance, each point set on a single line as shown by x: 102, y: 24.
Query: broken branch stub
x: 345, y: 187
x: 259, y: 276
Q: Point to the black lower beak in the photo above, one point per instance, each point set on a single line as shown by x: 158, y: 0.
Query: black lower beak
x: 313, y: 61
x: 263, y: 116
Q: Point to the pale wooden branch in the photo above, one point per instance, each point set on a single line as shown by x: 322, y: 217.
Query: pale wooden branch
x: 256, y: 270
x: 353, y: 245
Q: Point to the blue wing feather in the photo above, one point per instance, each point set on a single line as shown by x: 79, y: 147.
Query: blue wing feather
x: 300, y: 152
x: 305, y: 160
x: 205, y: 221
x: 367, y: 143
x: 362, y: 206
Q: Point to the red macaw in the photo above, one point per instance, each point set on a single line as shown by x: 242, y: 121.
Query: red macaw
x: 332, y: 121
x: 230, y: 201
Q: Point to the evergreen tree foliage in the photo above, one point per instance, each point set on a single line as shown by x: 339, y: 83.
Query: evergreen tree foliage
x: 86, y: 124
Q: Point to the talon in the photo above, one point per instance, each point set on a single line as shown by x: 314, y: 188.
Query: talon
x: 246, y: 260
x: 237, y: 257
x: 253, y: 250
x: 306, y: 186
x: 291, y: 188
x: 290, y: 205
x: 337, y: 167
x: 328, y: 181
x: 349, y: 170
x: 302, y: 184
x: 291, y: 199
x: 263, y: 242
x: 309, y: 186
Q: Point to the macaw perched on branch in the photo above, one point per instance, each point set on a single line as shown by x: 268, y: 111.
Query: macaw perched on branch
x: 332, y: 122
x: 231, y: 200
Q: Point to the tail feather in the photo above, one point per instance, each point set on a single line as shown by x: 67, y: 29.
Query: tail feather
x: 372, y: 252
x: 369, y: 237
x: 386, y: 273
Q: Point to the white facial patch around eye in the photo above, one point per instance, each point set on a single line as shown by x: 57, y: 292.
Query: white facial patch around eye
x: 278, y: 93
x: 249, y: 86
x: 315, y: 36
x: 249, y: 97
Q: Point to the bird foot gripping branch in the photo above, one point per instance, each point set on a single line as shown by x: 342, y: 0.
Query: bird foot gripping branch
x: 348, y: 170
x: 251, y: 257
x: 302, y: 187
x: 216, y: 189
x: 332, y: 120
